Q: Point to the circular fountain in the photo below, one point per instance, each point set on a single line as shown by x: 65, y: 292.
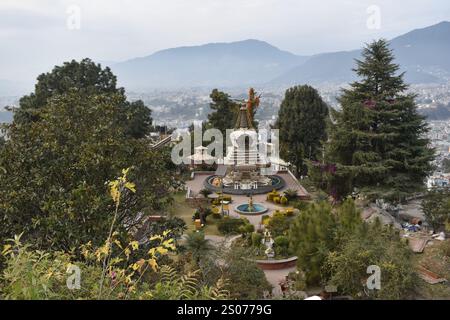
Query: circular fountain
x: 257, y: 209
x: 251, y: 209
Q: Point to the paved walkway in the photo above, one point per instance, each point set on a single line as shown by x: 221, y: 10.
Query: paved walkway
x: 275, y: 276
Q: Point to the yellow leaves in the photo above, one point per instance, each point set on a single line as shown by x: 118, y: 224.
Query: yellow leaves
x: 127, y: 252
x: 153, y: 238
x: 153, y: 264
x: 135, y: 266
x: 117, y: 242
x: 134, y: 245
x: 162, y: 250
x: 117, y: 186
x: 114, y: 191
x: 152, y: 252
x: 130, y: 186
x: 6, y: 249
x: 169, y: 244
x: 102, y: 251
x: 125, y: 173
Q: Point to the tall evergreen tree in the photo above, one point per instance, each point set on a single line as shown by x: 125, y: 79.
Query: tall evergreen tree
x: 378, y: 140
x: 224, y: 109
x: 302, y: 123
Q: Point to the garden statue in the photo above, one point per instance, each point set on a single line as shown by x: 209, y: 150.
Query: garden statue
x: 268, y: 242
x: 250, y: 204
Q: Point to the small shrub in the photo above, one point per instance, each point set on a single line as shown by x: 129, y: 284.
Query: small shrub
x: 229, y: 225
x: 291, y: 194
x: 301, y: 205
x: 256, y: 239
x: 281, y: 245
x: 284, y: 201
x: 276, y: 199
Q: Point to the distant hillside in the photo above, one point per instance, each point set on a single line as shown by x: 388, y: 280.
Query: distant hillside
x: 441, y: 112
x: 423, y: 53
x: 216, y: 64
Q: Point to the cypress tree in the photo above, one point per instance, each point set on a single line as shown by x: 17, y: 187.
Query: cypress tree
x: 378, y: 139
x: 302, y: 124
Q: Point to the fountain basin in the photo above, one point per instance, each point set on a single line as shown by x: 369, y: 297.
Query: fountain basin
x: 257, y: 209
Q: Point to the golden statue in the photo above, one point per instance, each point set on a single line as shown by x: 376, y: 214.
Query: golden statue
x: 247, y: 111
x: 252, y: 103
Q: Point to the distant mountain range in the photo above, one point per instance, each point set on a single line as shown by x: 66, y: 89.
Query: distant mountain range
x: 440, y: 112
x: 423, y: 53
x: 222, y: 64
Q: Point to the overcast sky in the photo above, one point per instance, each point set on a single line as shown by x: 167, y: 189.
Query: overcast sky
x: 34, y: 34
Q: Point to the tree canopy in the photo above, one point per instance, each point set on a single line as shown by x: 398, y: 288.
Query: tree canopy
x: 302, y: 121
x: 86, y: 78
x: 53, y: 187
x: 377, y: 141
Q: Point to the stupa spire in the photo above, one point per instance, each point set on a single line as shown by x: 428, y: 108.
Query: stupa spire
x: 246, y: 111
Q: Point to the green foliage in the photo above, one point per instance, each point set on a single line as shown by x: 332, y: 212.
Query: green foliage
x: 172, y: 286
x: 34, y: 275
x: 279, y: 224
x: 436, y: 207
x: 53, y: 187
x: 224, y: 112
x: 246, y: 229
x: 257, y: 239
x: 229, y: 225
x: 246, y: 280
x: 198, y: 246
x: 349, y: 220
x: 291, y: 194
x: 87, y: 79
x: 42, y: 275
x: 311, y: 238
x: 284, y: 201
x: 302, y: 123
x: 378, y: 139
x: 372, y: 245
x: 281, y: 246
x: 174, y: 225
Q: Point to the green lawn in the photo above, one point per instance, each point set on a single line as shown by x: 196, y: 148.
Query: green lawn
x: 183, y: 210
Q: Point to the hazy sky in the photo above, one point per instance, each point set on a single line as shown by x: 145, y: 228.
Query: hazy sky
x: 34, y: 34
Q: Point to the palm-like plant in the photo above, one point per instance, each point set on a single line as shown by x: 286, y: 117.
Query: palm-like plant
x: 291, y: 194
x: 198, y: 246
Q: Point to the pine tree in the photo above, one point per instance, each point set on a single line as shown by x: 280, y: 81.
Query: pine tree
x: 302, y: 124
x: 311, y: 238
x: 378, y: 139
x: 224, y: 115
